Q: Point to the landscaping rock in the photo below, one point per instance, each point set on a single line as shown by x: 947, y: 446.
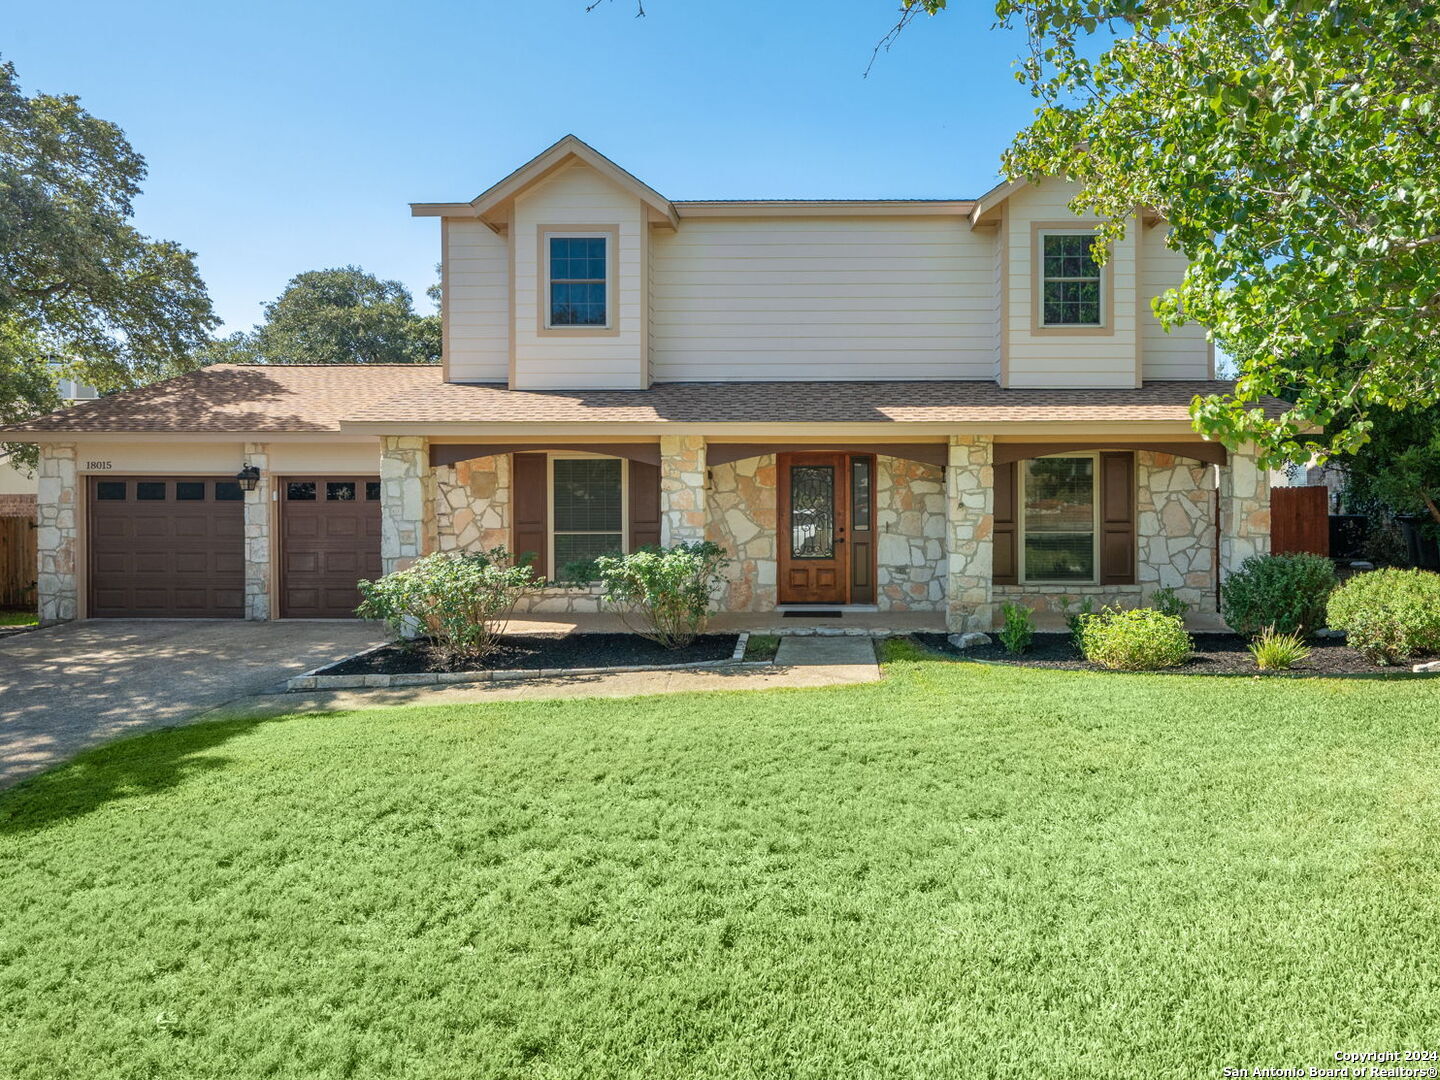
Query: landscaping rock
x: 972, y: 640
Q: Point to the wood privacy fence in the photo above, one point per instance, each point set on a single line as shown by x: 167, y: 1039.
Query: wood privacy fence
x: 1300, y: 520
x: 17, y: 562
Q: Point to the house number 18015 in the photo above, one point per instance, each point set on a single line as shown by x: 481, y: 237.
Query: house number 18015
x: 99, y: 466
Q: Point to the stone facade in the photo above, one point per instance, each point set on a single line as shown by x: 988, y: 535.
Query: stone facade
x: 682, y: 489
x: 1244, y: 511
x: 910, y: 522
x: 742, y: 518
x: 56, y: 537
x: 970, y: 499
x: 472, y: 504
x: 259, y: 509
x: 1175, y: 540
x: 407, y: 526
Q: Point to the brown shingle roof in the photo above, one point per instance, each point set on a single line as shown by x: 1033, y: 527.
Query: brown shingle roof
x: 243, y: 398
x: 234, y: 398
x: 791, y: 402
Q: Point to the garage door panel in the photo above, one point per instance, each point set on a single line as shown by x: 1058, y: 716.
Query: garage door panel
x: 329, y: 543
x: 166, y: 558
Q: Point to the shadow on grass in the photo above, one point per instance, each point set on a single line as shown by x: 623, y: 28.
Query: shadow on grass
x: 145, y: 765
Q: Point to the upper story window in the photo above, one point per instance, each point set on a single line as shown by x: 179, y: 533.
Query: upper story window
x: 577, y: 268
x: 1070, y: 280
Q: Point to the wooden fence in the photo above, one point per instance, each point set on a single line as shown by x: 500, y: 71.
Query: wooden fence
x: 1300, y: 520
x: 17, y: 562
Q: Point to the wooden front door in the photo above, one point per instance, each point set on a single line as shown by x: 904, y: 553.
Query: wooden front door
x: 814, y: 514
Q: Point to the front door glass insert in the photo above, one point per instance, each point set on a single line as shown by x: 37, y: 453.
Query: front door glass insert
x: 812, y: 512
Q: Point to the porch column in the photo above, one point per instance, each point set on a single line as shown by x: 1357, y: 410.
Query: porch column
x: 682, y: 489
x: 970, y: 503
x: 56, y: 538
x: 1244, y: 510
x: 259, y: 507
x: 406, y: 501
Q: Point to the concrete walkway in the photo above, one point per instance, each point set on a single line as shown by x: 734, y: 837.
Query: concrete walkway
x: 801, y: 663
x: 66, y: 688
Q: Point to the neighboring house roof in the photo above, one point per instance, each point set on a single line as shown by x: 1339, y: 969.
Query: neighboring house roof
x: 242, y: 398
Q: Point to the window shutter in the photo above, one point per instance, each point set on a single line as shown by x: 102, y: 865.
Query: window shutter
x: 1117, y: 518
x: 530, y: 500
x: 644, y: 504
x: 1006, y: 557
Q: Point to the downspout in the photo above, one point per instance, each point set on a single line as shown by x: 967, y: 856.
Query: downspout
x: 1217, y: 539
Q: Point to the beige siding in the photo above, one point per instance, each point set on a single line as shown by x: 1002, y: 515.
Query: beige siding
x: 997, y: 301
x: 1183, y: 353
x: 477, y: 302
x: 576, y: 195
x: 808, y: 298
x: 1065, y: 360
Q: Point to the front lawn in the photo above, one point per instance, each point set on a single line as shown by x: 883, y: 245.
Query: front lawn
x: 961, y: 871
x: 18, y: 618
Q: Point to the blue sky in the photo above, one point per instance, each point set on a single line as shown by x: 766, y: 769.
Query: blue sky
x: 284, y: 137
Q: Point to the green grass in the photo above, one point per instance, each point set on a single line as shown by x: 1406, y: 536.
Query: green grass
x: 963, y: 871
x: 762, y: 647
x: 18, y: 618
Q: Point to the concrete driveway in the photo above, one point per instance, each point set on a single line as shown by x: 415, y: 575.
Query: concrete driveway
x: 69, y: 687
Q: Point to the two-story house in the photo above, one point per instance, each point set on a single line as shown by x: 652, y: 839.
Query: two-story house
x: 912, y: 405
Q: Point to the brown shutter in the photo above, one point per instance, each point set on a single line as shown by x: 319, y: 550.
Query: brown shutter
x: 1117, y: 518
x: 1006, y: 557
x: 528, y: 478
x: 644, y: 505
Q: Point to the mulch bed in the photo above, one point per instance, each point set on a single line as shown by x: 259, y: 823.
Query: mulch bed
x: 532, y: 652
x: 1215, y: 654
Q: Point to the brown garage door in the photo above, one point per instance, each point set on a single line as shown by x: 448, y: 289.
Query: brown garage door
x: 166, y: 547
x: 329, y: 540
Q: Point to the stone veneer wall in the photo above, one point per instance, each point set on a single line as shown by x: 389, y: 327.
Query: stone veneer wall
x: 472, y: 504
x: 258, y: 510
x: 682, y: 489
x: 970, y: 500
x: 910, y: 519
x: 1175, y: 536
x: 56, y: 536
x: 742, y: 518
x: 1245, y: 511
x: 407, y: 523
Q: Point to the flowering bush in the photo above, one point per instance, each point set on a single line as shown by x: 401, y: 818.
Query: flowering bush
x: 663, y: 594
x: 460, y: 600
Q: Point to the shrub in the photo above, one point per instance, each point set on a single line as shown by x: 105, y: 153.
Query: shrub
x: 1167, y: 601
x: 1286, y: 592
x: 1140, y: 640
x: 579, y: 572
x: 1389, y: 615
x: 1278, y: 652
x: 1075, y: 613
x: 1018, y: 629
x: 459, y: 599
x: 663, y: 594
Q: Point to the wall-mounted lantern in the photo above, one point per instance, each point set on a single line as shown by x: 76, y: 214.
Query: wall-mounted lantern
x: 249, y: 478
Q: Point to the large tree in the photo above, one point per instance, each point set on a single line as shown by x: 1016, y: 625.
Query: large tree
x: 338, y: 316
x: 1293, y: 146
x: 82, y: 292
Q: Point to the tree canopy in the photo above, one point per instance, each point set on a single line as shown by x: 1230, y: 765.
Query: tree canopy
x: 338, y: 316
x: 1292, y: 145
x: 82, y: 292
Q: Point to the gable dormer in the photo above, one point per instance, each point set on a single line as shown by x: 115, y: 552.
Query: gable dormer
x: 563, y: 245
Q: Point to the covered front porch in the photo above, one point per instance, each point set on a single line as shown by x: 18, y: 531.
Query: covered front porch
x: 920, y: 532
